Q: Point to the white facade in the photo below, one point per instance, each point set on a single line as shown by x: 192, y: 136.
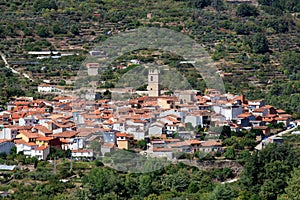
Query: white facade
x: 255, y: 104
x: 25, y: 148
x: 28, y: 121
x: 161, y: 154
x: 84, y: 153
x: 41, y: 152
x: 8, y: 133
x: 194, y: 120
x: 76, y: 143
x: 229, y: 111
x: 46, y: 88
x: 155, y: 129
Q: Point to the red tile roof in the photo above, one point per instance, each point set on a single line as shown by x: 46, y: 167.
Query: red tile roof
x: 41, y: 148
x: 65, y: 134
x: 20, y: 141
x: 44, y: 138
x: 121, y: 134
x: 209, y: 143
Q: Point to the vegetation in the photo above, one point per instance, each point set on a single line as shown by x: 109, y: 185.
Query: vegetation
x: 259, y: 45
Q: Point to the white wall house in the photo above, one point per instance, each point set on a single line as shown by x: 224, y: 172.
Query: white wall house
x: 194, y: 120
x: 8, y: 133
x: 28, y: 121
x: 26, y: 148
x: 83, y: 153
x: 41, y: 152
x: 46, y: 88
x: 253, y: 104
x: 156, y: 129
x: 75, y: 144
x: 230, y: 111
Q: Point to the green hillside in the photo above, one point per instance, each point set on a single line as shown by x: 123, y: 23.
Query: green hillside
x: 256, y: 44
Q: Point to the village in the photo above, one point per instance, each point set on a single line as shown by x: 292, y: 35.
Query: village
x: 166, y: 123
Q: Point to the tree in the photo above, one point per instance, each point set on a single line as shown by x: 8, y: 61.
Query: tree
x: 142, y: 144
x: 222, y: 192
x: 293, y: 188
x: 246, y: 10
x: 260, y: 43
x: 96, y: 146
x: 74, y: 30
x: 44, y: 4
x: 230, y: 153
x: 275, y: 175
x: 201, y: 3
x: 59, y: 29
x: 217, y: 4
x: 42, y: 31
x: 101, y: 181
x: 144, y: 186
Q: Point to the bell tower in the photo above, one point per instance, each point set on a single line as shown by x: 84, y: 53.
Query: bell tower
x: 154, y: 83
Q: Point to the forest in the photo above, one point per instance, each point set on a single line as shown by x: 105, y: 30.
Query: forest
x: 270, y: 174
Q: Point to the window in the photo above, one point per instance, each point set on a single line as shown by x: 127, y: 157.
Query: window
x: 151, y: 78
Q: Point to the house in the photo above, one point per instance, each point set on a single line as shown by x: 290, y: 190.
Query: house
x: 211, y: 146
x: 25, y: 147
x: 28, y: 136
x: 270, y: 119
x: 156, y: 129
x: 5, y: 146
x: 107, y: 148
x: 48, y: 141
x: 182, y: 146
x: 137, y: 132
x: 83, y: 154
x: 60, y: 126
x: 8, y: 133
x: 271, y: 109
x: 271, y: 139
x: 265, y: 129
x: 41, y: 152
x: 46, y: 88
x: 92, y: 68
x: 171, y: 128
x: 244, y: 119
x: 194, y: 119
x: 229, y: 110
x: 161, y: 153
x: 195, y: 145
x: 28, y: 121
x: 122, y: 140
x: 72, y: 143
x: 43, y: 130
x: 158, y: 144
x: 253, y: 104
x: 109, y: 137
x: 260, y: 111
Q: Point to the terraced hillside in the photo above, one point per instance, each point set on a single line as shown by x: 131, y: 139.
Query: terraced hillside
x: 254, y: 44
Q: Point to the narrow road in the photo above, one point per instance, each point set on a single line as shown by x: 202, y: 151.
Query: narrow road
x: 12, y: 69
x: 260, y: 145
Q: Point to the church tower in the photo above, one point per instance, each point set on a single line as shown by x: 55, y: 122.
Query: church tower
x: 154, y: 82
